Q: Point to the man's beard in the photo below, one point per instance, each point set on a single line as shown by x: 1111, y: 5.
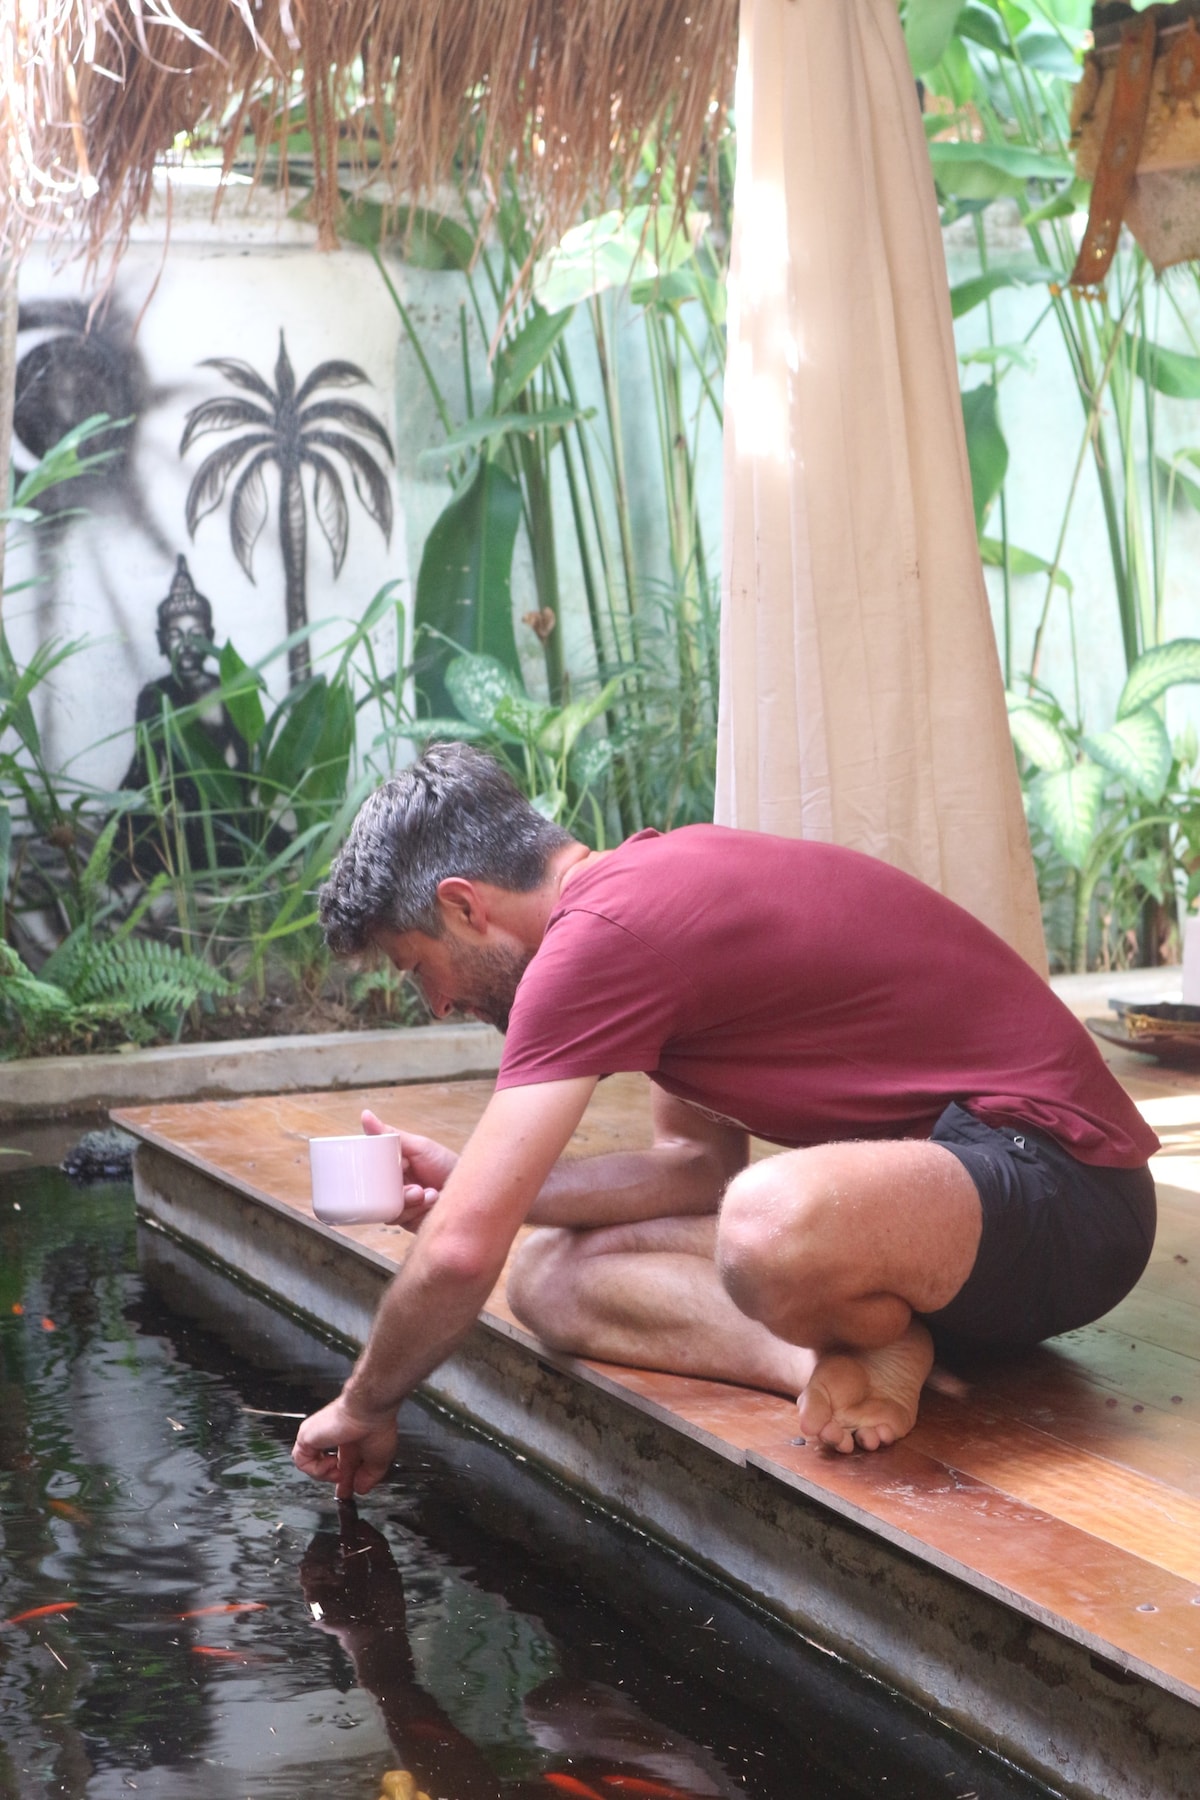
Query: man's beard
x: 490, y: 979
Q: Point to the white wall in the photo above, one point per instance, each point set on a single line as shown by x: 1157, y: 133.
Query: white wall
x: 224, y: 289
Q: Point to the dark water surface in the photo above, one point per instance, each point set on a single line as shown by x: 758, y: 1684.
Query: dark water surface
x: 219, y: 1632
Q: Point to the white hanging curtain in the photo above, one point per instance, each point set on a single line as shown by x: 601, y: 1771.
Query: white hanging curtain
x: 861, y: 695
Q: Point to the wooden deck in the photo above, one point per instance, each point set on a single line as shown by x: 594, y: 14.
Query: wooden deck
x: 1059, y: 1492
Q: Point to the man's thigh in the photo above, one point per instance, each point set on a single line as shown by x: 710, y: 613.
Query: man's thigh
x: 815, y: 1228
x: 1061, y: 1242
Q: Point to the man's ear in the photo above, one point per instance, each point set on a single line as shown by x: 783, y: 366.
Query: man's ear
x: 460, y: 899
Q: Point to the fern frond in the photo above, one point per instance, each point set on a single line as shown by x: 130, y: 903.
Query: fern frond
x: 29, y: 1007
x: 144, y: 975
x: 94, y: 878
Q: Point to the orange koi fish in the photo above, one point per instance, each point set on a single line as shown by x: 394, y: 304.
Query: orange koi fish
x: 570, y: 1784
x: 66, y: 1510
x: 42, y: 1612
x: 49, y: 1325
x: 233, y: 1606
x: 644, y: 1784
x: 224, y: 1654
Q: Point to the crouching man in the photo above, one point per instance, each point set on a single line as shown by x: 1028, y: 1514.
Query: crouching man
x: 959, y: 1165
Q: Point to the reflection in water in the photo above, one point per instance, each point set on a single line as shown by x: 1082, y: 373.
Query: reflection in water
x: 184, y: 1616
x: 596, y: 1737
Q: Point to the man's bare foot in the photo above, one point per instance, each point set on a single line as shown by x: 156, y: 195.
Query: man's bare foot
x: 867, y: 1398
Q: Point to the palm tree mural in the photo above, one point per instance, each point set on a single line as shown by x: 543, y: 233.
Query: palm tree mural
x: 285, y: 426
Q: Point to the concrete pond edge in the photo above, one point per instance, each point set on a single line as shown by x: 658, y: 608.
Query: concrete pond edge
x: 55, y: 1087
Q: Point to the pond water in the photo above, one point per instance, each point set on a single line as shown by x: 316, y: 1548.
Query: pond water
x: 185, y: 1617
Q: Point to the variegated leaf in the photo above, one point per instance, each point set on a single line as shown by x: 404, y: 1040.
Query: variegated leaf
x: 1138, y: 750
x: 477, y: 685
x: 1157, y: 670
x: 1069, y: 802
x: 1036, y: 735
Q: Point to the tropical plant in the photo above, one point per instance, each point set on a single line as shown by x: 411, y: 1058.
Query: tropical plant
x: 555, y: 415
x: 561, y: 772
x: 284, y: 425
x: 44, y: 833
x: 99, y: 980
x: 999, y: 79
x: 1120, y: 807
x: 284, y: 810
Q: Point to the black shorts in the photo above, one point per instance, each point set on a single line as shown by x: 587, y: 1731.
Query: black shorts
x: 1062, y: 1241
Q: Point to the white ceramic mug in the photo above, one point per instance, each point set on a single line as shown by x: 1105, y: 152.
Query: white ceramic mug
x: 356, y: 1180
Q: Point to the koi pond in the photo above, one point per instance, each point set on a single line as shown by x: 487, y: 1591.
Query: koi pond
x: 184, y: 1616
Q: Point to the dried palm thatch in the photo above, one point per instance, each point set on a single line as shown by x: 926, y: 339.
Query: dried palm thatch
x: 567, y: 91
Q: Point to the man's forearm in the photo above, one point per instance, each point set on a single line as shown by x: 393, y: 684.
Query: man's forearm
x: 459, y: 1254
x: 423, y: 1316
x: 665, y: 1181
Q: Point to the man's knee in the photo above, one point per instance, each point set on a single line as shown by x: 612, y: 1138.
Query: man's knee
x: 776, y: 1246
x: 539, y: 1286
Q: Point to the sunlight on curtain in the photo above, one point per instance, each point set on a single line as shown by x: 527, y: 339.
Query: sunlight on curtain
x: 861, y: 696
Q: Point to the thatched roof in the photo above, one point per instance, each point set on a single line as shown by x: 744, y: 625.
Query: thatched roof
x: 96, y: 91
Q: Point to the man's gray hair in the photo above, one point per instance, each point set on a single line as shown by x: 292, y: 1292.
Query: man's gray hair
x: 454, y: 811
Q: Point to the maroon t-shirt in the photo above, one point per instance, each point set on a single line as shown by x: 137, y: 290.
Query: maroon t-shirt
x: 808, y: 993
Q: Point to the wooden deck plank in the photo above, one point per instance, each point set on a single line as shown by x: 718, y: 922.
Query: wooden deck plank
x: 1067, y: 1480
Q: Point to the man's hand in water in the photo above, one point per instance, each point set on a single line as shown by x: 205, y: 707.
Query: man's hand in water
x: 351, y: 1447
x: 426, y: 1165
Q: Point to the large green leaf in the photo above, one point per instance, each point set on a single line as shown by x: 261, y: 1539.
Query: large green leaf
x: 1069, y: 801
x: 1156, y: 670
x: 479, y: 686
x: 966, y: 295
x: 326, y: 779
x: 1170, y: 371
x: 987, y: 449
x: 521, y: 358
x: 241, y: 689
x: 522, y: 718
x: 1138, y: 750
x: 983, y: 27
x: 928, y: 28
x: 464, y: 587
x: 986, y: 171
x: 681, y: 285
x: 1068, y: 200
x: 610, y: 251
x: 1046, y: 52
x: 1021, y: 562
x: 426, y: 239
x: 1036, y: 735
x: 294, y: 749
x: 559, y: 735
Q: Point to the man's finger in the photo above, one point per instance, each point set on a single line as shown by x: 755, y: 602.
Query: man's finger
x: 349, y: 1461
x: 322, y: 1465
x: 374, y: 1126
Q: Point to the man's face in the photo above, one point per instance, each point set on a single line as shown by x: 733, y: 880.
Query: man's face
x: 456, y: 974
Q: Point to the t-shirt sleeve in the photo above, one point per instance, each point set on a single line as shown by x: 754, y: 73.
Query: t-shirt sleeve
x: 595, y: 1000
